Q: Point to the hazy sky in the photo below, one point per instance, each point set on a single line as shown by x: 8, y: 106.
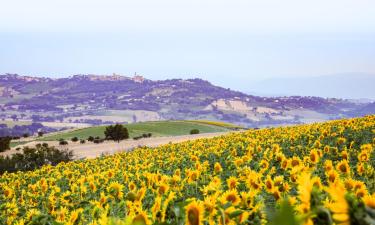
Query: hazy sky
x: 231, y: 42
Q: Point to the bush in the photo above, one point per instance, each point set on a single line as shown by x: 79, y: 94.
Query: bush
x: 40, y: 133
x: 25, y: 135
x: 33, y: 158
x: 90, y: 138
x: 97, y: 141
x: 194, y: 131
x: 5, y: 143
x: 82, y: 141
x: 117, y: 132
x: 74, y: 139
x: 63, y: 142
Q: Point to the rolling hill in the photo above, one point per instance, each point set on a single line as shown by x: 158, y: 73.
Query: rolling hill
x: 99, y: 99
x: 156, y: 128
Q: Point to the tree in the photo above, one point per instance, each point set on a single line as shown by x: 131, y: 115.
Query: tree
x: 4, y: 143
x: 116, y: 132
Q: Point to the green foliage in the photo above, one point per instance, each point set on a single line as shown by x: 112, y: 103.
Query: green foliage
x: 33, y: 158
x: 63, y: 142
x: 284, y: 215
x: 74, y: 139
x: 116, y: 132
x: 194, y: 131
x: 4, y: 143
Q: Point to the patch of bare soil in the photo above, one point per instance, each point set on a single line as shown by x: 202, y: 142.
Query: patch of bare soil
x: 91, y: 150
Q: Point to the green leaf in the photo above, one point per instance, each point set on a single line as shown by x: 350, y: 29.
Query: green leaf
x: 284, y: 216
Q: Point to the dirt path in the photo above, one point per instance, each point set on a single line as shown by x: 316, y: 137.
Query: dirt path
x: 91, y: 150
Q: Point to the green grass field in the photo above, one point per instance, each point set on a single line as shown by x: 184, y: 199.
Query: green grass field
x: 157, y: 128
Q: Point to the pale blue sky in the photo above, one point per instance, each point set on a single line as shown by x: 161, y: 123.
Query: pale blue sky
x: 231, y: 43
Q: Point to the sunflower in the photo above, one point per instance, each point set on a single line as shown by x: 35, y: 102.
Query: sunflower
x: 305, y: 187
x: 341, y: 141
x: 314, y: 156
x: 74, y: 216
x: 232, y: 182
x: 163, y: 189
x: 61, y: 214
x: 8, y: 192
x: 194, y: 213
x: 269, y: 184
x: 369, y: 201
x: 217, y: 168
x: 141, y: 218
x: 364, y: 156
x: 345, y: 155
x: 339, y: 206
x: 328, y: 166
x: 230, y: 196
x: 295, y: 161
x: 343, y: 167
x: 360, y: 169
x: 155, y: 209
x: 115, y: 190
x: 332, y: 176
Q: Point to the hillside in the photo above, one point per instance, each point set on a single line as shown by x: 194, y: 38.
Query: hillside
x: 323, y: 171
x: 156, y: 128
x: 96, y: 99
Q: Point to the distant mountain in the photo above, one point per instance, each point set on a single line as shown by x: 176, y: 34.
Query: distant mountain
x: 100, y: 99
x: 348, y: 86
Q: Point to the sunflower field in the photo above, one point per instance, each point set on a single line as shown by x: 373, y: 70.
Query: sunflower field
x: 320, y: 173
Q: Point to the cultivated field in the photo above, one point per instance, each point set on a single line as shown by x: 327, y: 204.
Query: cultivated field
x: 157, y: 128
x: 309, y: 174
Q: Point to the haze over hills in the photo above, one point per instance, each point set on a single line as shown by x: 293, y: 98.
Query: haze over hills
x: 98, y: 99
x: 346, y: 85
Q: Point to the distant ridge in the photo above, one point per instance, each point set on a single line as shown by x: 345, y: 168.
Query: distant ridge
x: 97, y: 99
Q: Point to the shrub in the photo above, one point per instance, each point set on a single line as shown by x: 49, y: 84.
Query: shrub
x: 90, y: 138
x: 4, y: 143
x: 194, y: 131
x: 74, y: 139
x: 32, y: 158
x: 25, y: 135
x: 40, y: 133
x: 97, y: 141
x: 63, y: 142
x: 82, y: 141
